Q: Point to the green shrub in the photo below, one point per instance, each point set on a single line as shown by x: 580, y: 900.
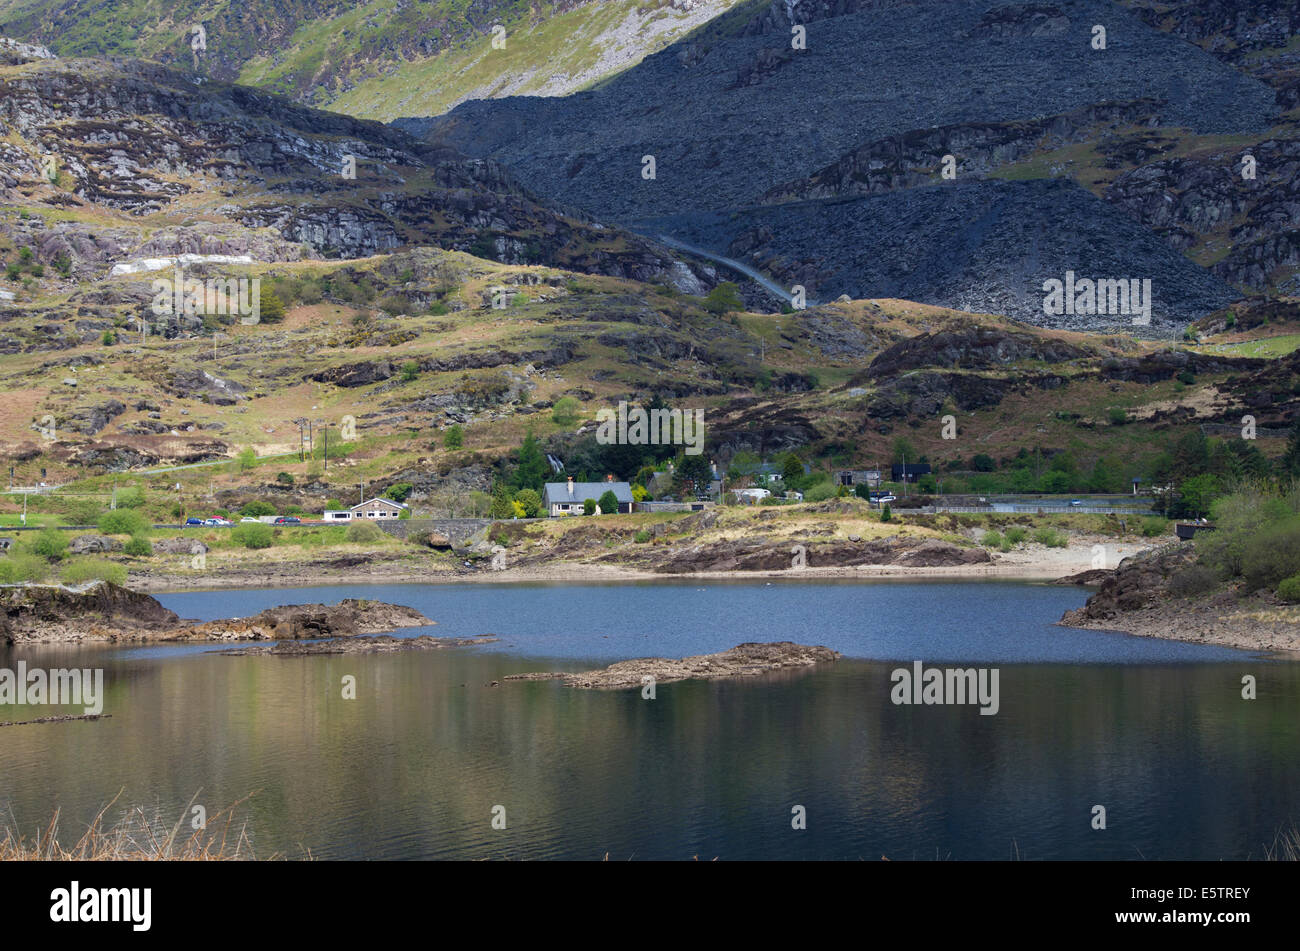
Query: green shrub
x: 1051, y: 538
x: 398, y: 491
x: 410, y: 370
x: 50, y: 543
x: 641, y: 537
x: 530, y: 500
x: 886, y: 513
x: 1117, y: 415
x: 565, y: 411
x: 131, y: 497
x: 257, y: 507
x: 1288, y: 589
x: 454, y: 437
x: 139, y: 546
x: 1193, y: 580
x: 123, y: 522
x: 364, y: 532
x: 80, y: 570
x: 253, y: 536
x: 1272, y: 555
x: 1154, y: 527
x: 334, y: 505
x: 608, y: 502
x: 820, y: 492
x: 588, y: 506
x: 992, y: 540
x: 284, y: 478
x: 83, y: 511
x: 17, y: 567
x: 1016, y: 534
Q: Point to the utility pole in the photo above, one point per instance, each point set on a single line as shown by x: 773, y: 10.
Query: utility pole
x: 327, y: 447
x: 361, y: 501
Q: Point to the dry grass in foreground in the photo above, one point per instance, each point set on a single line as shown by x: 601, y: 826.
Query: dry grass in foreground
x: 136, y: 836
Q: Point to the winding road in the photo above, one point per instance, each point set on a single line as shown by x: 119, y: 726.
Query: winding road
x: 776, y: 290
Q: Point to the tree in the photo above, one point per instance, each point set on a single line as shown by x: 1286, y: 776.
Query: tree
x: 565, y: 411
x: 1055, y: 482
x: 983, y: 463
x: 724, y: 299
x: 792, y: 471
x: 1290, y: 461
x: 501, y: 507
x: 608, y: 503
x: 532, y: 468
x: 246, y: 459
x: 1191, y: 455
x: 743, y: 464
x: 690, y: 469
x: 410, y: 370
x: 271, y: 308
x: 1198, y: 494
x: 588, y: 506
x: 1106, y: 476
x: 454, y: 437
x: 531, y: 501
x: 904, y: 451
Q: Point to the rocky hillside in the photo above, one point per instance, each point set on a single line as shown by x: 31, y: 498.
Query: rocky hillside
x: 377, y: 58
x: 1152, y: 129
x: 109, y: 164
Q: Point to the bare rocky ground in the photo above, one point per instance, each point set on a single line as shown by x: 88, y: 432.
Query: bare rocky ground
x: 382, y: 644
x: 744, y: 660
x: 102, y: 611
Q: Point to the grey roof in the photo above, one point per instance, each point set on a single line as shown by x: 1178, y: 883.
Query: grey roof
x: 559, y: 492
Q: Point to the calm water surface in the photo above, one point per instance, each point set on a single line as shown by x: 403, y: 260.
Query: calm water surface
x: 1154, y: 730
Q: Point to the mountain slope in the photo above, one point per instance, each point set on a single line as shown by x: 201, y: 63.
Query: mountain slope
x: 734, y: 117
x: 377, y: 58
x: 150, y: 163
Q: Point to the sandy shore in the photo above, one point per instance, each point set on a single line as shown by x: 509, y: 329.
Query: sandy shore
x: 1032, y: 563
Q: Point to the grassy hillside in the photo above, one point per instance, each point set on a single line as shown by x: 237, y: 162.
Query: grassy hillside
x: 376, y: 59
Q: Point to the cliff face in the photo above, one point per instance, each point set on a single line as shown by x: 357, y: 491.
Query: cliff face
x: 53, y: 612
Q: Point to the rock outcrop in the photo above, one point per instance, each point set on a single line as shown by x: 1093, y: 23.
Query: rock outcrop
x: 101, y: 610
x: 745, y: 660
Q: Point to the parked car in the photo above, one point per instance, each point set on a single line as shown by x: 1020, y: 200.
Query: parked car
x: 1076, y: 501
x: 249, y: 518
x: 887, y: 498
x: 194, y: 521
x: 288, y: 520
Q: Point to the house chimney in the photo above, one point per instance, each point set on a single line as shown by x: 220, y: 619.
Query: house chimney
x: 609, y: 478
x: 570, y: 486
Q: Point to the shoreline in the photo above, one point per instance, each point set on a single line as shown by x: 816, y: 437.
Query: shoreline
x: 1037, y: 565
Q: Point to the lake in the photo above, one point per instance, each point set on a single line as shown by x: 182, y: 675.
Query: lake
x: 413, y: 767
